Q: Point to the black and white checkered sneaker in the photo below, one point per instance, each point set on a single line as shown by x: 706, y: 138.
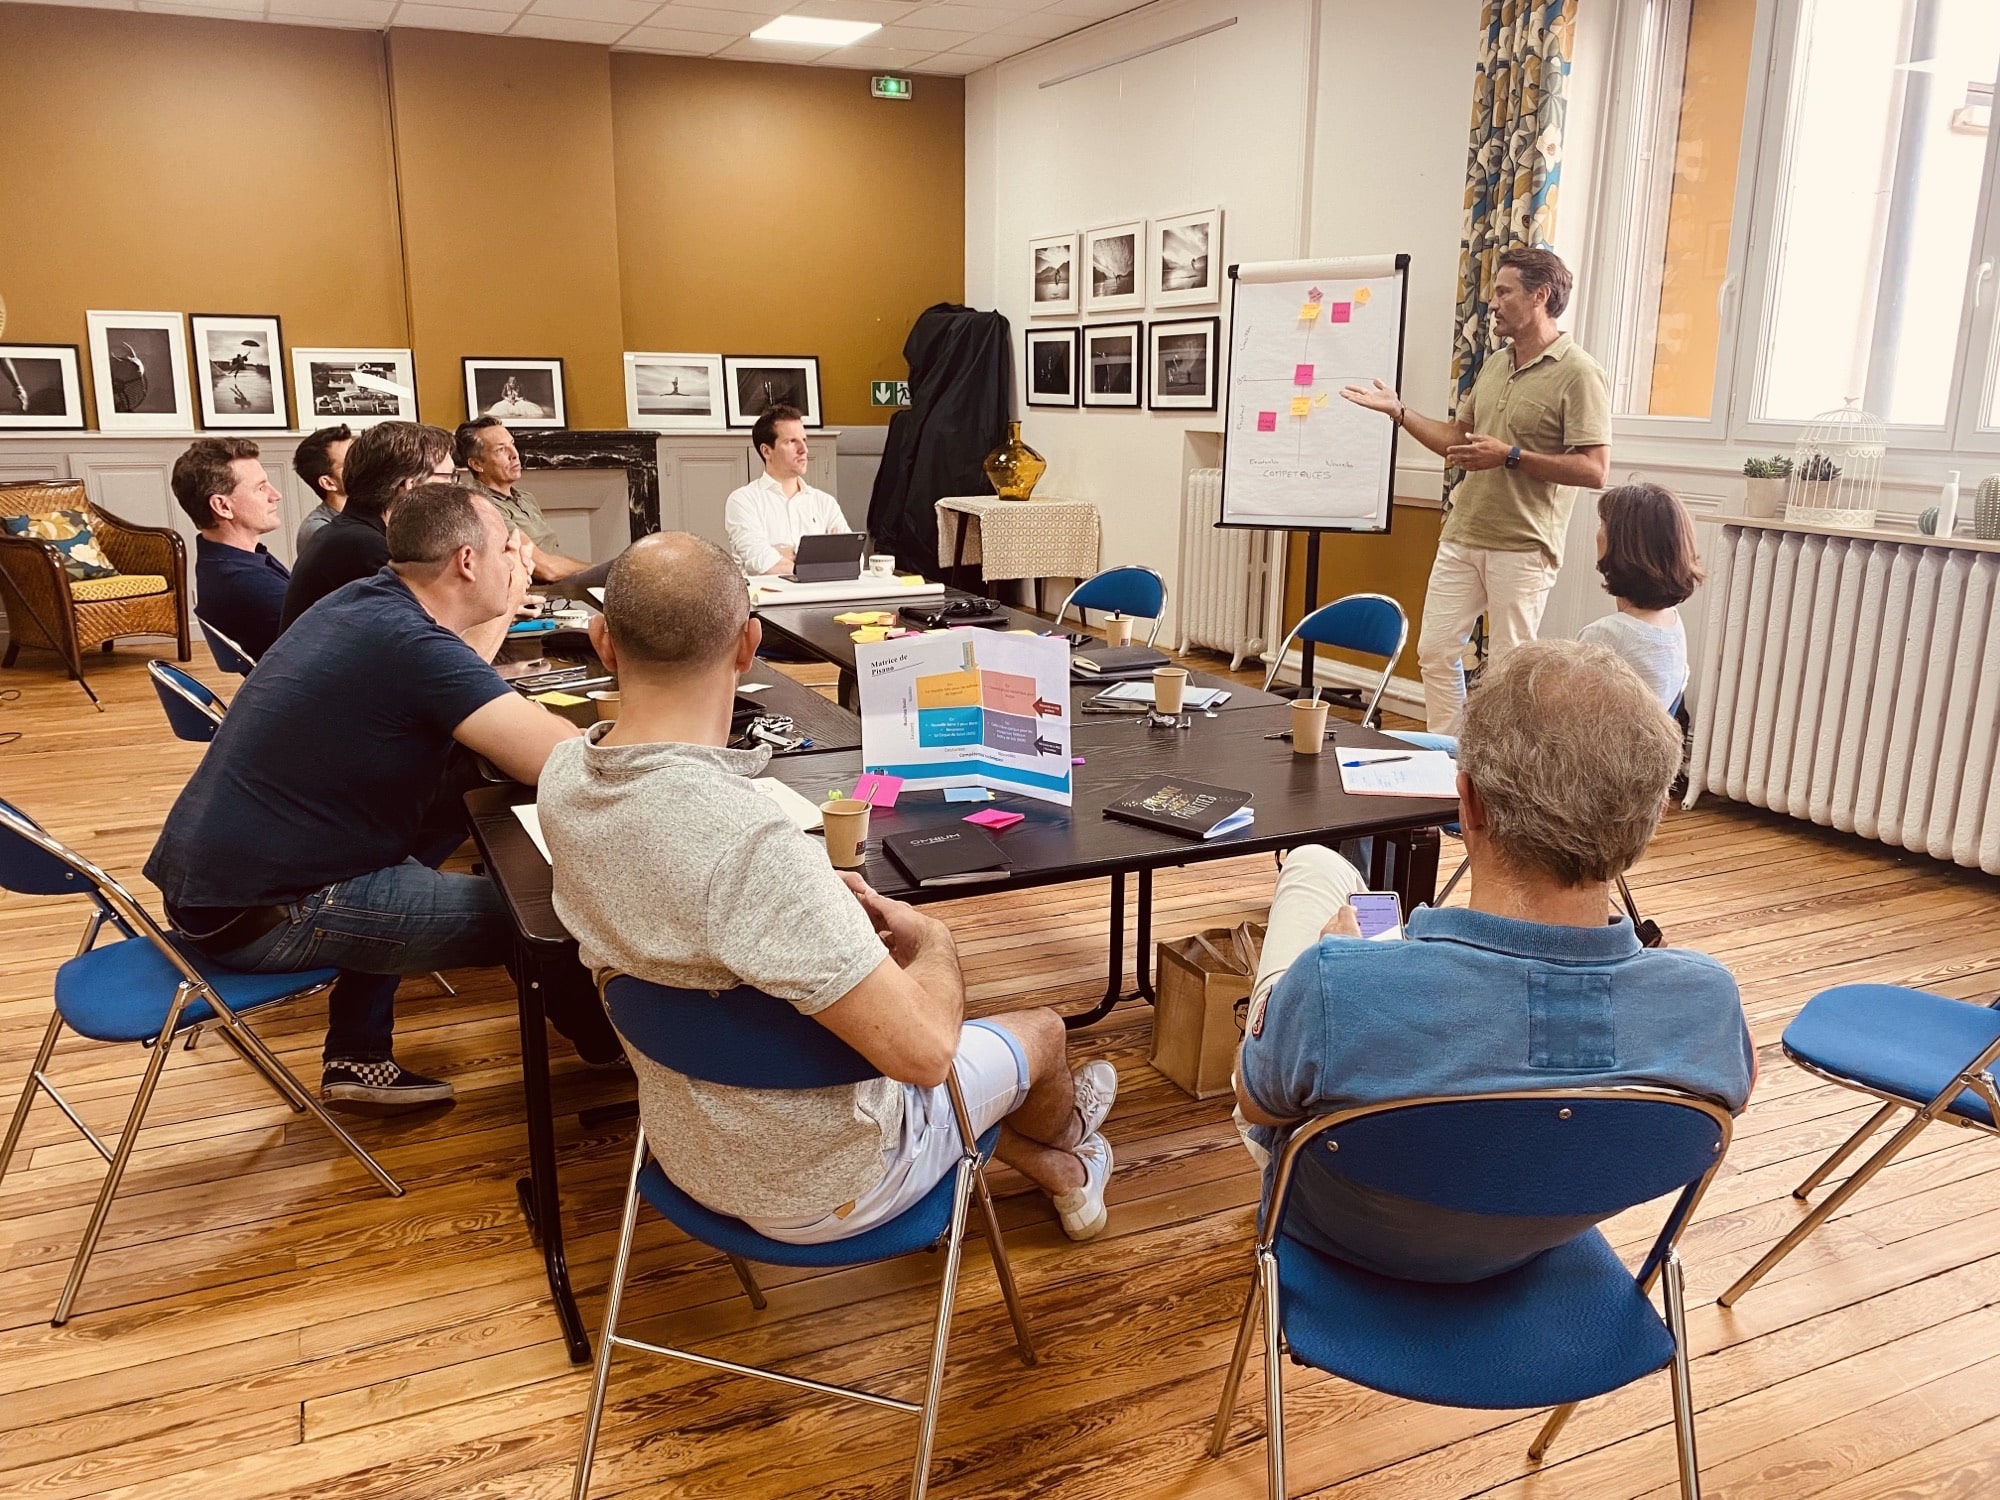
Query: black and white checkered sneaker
x: 385, y: 1084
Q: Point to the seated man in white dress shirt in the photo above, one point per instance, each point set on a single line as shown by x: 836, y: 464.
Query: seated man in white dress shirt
x: 766, y: 518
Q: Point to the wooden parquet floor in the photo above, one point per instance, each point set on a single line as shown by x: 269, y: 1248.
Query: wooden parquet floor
x: 259, y: 1323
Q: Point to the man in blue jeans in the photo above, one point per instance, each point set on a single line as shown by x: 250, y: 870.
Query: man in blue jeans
x: 308, y: 834
x: 1564, y: 764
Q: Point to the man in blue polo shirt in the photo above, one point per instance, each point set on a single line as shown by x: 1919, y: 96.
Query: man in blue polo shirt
x: 239, y: 587
x: 1564, y: 763
x: 301, y: 839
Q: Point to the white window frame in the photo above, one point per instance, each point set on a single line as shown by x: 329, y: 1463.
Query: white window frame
x: 1749, y: 283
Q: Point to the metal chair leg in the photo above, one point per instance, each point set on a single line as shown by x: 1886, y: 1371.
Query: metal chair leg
x: 609, y: 1338
x: 1274, y: 1377
x: 27, y: 1099
x: 1004, y: 1270
x: 278, y: 1081
x: 1549, y: 1430
x: 333, y: 1127
x: 750, y: 1288
x: 1234, y: 1375
x: 934, y: 1388
x: 1684, y: 1453
x: 156, y: 1059
x: 1820, y: 1215
x: 442, y: 983
x: 1841, y: 1152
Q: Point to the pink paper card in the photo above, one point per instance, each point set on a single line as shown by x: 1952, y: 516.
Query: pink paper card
x: 877, y: 790
x: 994, y: 819
x: 1302, y: 375
x: 1339, y: 312
x: 1267, y: 421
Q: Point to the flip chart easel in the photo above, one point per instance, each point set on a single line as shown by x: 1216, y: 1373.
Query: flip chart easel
x: 1297, y: 456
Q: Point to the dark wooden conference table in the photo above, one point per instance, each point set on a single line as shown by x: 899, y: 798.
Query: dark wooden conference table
x: 1298, y: 800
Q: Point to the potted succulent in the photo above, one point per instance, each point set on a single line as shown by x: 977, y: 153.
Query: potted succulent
x: 1764, y: 485
x: 1814, y: 484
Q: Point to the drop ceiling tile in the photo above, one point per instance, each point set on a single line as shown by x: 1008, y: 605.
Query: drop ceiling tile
x: 951, y: 65
x: 565, y: 29
x: 1095, y: 10
x: 506, y: 7
x: 92, y: 4
x: 1040, y: 25
x: 452, y: 18
x: 992, y: 47
x: 211, y: 12
x: 879, y: 11
x: 889, y: 59
x: 624, y: 12
x: 666, y: 39
x: 763, y: 9
x: 333, y: 12
x: 964, y: 20
x: 729, y: 23
x: 775, y: 52
x: 914, y: 39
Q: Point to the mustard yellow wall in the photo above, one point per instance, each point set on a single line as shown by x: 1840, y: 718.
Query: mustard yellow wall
x: 1397, y: 563
x: 510, y: 239
x: 168, y: 163
x: 1703, y: 206
x: 779, y: 210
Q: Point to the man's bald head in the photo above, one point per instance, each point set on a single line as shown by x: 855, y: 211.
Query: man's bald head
x: 674, y: 601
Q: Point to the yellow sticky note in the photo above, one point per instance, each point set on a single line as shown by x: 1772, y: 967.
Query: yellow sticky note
x: 1320, y: 399
x: 868, y: 635
x: 910, y: 580
x: 1309, y: 313
x: 560, y: 700
x: 856, y: 617
x: 1020, y: 632
x: 1301, y: 405
x: 1362, y: 294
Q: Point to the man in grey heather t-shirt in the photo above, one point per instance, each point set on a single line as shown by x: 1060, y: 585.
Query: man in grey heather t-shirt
x: 672, y: 867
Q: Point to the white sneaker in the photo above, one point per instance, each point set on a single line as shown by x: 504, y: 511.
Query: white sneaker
x: 1096, y: 1086
x: 1082, y: 1209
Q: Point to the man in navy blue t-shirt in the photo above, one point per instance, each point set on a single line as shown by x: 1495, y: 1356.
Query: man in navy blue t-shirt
x: 239, y: 587
x: 298, y: 841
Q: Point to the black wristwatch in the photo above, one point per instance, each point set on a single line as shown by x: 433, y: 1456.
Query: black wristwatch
x: 1514, y: 457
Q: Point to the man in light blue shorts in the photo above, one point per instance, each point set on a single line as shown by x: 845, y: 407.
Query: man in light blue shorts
x: 671, y: 866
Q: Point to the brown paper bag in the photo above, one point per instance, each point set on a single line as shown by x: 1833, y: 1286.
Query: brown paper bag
x: 1198, y: 981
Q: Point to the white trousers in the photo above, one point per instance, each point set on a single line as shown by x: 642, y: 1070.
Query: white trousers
x: 1510, y: 588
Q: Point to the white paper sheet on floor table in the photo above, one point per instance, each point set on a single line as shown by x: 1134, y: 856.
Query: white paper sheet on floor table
x: 1397, y: 773
x: 803, y: 812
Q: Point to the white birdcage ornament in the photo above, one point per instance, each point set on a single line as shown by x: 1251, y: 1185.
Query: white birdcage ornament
x: 1837, y: 470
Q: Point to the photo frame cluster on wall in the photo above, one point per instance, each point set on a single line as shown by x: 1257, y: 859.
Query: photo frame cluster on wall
x: 1171, y: 363
x: 1173, y: 262
x: 717, y: 392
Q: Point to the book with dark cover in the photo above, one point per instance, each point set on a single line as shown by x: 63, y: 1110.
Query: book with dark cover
x: 948, y: 856
x: 1178, y: 805
x: 1106, y: 662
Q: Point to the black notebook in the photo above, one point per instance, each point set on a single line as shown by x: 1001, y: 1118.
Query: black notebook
x: 947, y: 856
x: 1181, y: 806
x: 1101, y: 661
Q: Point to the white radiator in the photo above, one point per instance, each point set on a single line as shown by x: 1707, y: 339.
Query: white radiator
x: 1225, y: 575
x: 1855, y: 682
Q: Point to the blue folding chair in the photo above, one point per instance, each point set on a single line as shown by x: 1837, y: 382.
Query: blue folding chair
x: 744, y: 1038
x: 148, y: 987
x: 1911, y: 1049
x: 228, y: 655
x: 1372, y: 624
x: 1571, y: 1324
x: 1129, y: 590
x: 193, y: 712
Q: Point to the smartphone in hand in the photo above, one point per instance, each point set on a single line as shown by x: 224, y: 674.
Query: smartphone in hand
x: 1380, y: 914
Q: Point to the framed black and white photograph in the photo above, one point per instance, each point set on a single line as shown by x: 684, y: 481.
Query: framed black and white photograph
x: 520, y: 392
x: 1052, y: 285
x: 1051, y: 366
x: 358, y: 387
x: 1187, y: 260
x: 41, y: 387
x: 674, y: 392
x: 239, y: 378
x: 138, y: 363
x: 1113, y: 368
x: 752, y: 383
x: 1113, y: 279
x: 1181, y: 364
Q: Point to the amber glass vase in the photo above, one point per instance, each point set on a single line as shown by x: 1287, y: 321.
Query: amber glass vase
x: 1014, y: 468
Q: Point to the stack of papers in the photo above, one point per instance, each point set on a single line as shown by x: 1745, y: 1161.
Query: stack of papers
x: 1397, y: 773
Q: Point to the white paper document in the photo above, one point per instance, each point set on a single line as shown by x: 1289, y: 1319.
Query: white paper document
x: 1397, y: 773
x: 801, y: 811
x: 530, y: 815
x: 1141, y: 692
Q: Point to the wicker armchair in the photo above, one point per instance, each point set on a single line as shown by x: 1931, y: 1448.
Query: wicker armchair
x: 42, y: 609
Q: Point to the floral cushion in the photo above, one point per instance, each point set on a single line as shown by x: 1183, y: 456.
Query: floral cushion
x: 117, y: 586
x: 68, y: 531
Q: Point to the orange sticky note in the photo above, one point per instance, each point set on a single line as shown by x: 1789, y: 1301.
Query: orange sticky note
x: 1309, y: 313
x: 1320, y: 399
x: 1301, y: 405
x: 1362, y: 294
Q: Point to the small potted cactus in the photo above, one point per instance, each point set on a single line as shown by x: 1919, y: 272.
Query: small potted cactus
x: 1764, y: 485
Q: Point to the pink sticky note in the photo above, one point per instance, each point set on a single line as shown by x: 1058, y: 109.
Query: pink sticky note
x: 877, y: 790
x: 994, y: 819
x: 1339, y: 312
x: 1267, y: 421
x: 1302, y: 375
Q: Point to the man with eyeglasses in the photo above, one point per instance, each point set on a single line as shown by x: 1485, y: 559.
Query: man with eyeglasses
x: 385, y: 461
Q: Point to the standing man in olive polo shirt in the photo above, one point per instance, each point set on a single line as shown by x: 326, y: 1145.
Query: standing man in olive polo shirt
x: 1535, y: 426
x: 485, y: 449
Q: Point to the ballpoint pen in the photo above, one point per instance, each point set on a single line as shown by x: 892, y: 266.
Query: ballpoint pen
x: 1387, y: 760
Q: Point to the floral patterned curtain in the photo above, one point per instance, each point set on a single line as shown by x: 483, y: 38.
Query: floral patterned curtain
x: 1514, y: 165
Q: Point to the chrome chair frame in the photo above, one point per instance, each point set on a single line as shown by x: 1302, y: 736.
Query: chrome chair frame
x: 1662, y: 1264
x: 1976, y: 1076
x: 1082, y: 609
x: 215, y: 638
x: 1372, y: 714
x: 167, y: 679
x: 971, y: 1176
x: 117, y: 906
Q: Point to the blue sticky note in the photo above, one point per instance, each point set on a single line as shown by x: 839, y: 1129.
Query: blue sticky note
x: 967, y: 794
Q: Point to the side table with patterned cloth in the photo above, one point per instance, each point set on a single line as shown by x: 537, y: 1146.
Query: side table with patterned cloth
x: 1018, y: 538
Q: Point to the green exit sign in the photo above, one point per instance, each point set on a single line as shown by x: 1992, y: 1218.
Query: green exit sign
x: 891, y: 88
x: 888, y: 393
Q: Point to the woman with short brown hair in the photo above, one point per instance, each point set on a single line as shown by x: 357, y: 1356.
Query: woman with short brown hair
x: 1646, y: 553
